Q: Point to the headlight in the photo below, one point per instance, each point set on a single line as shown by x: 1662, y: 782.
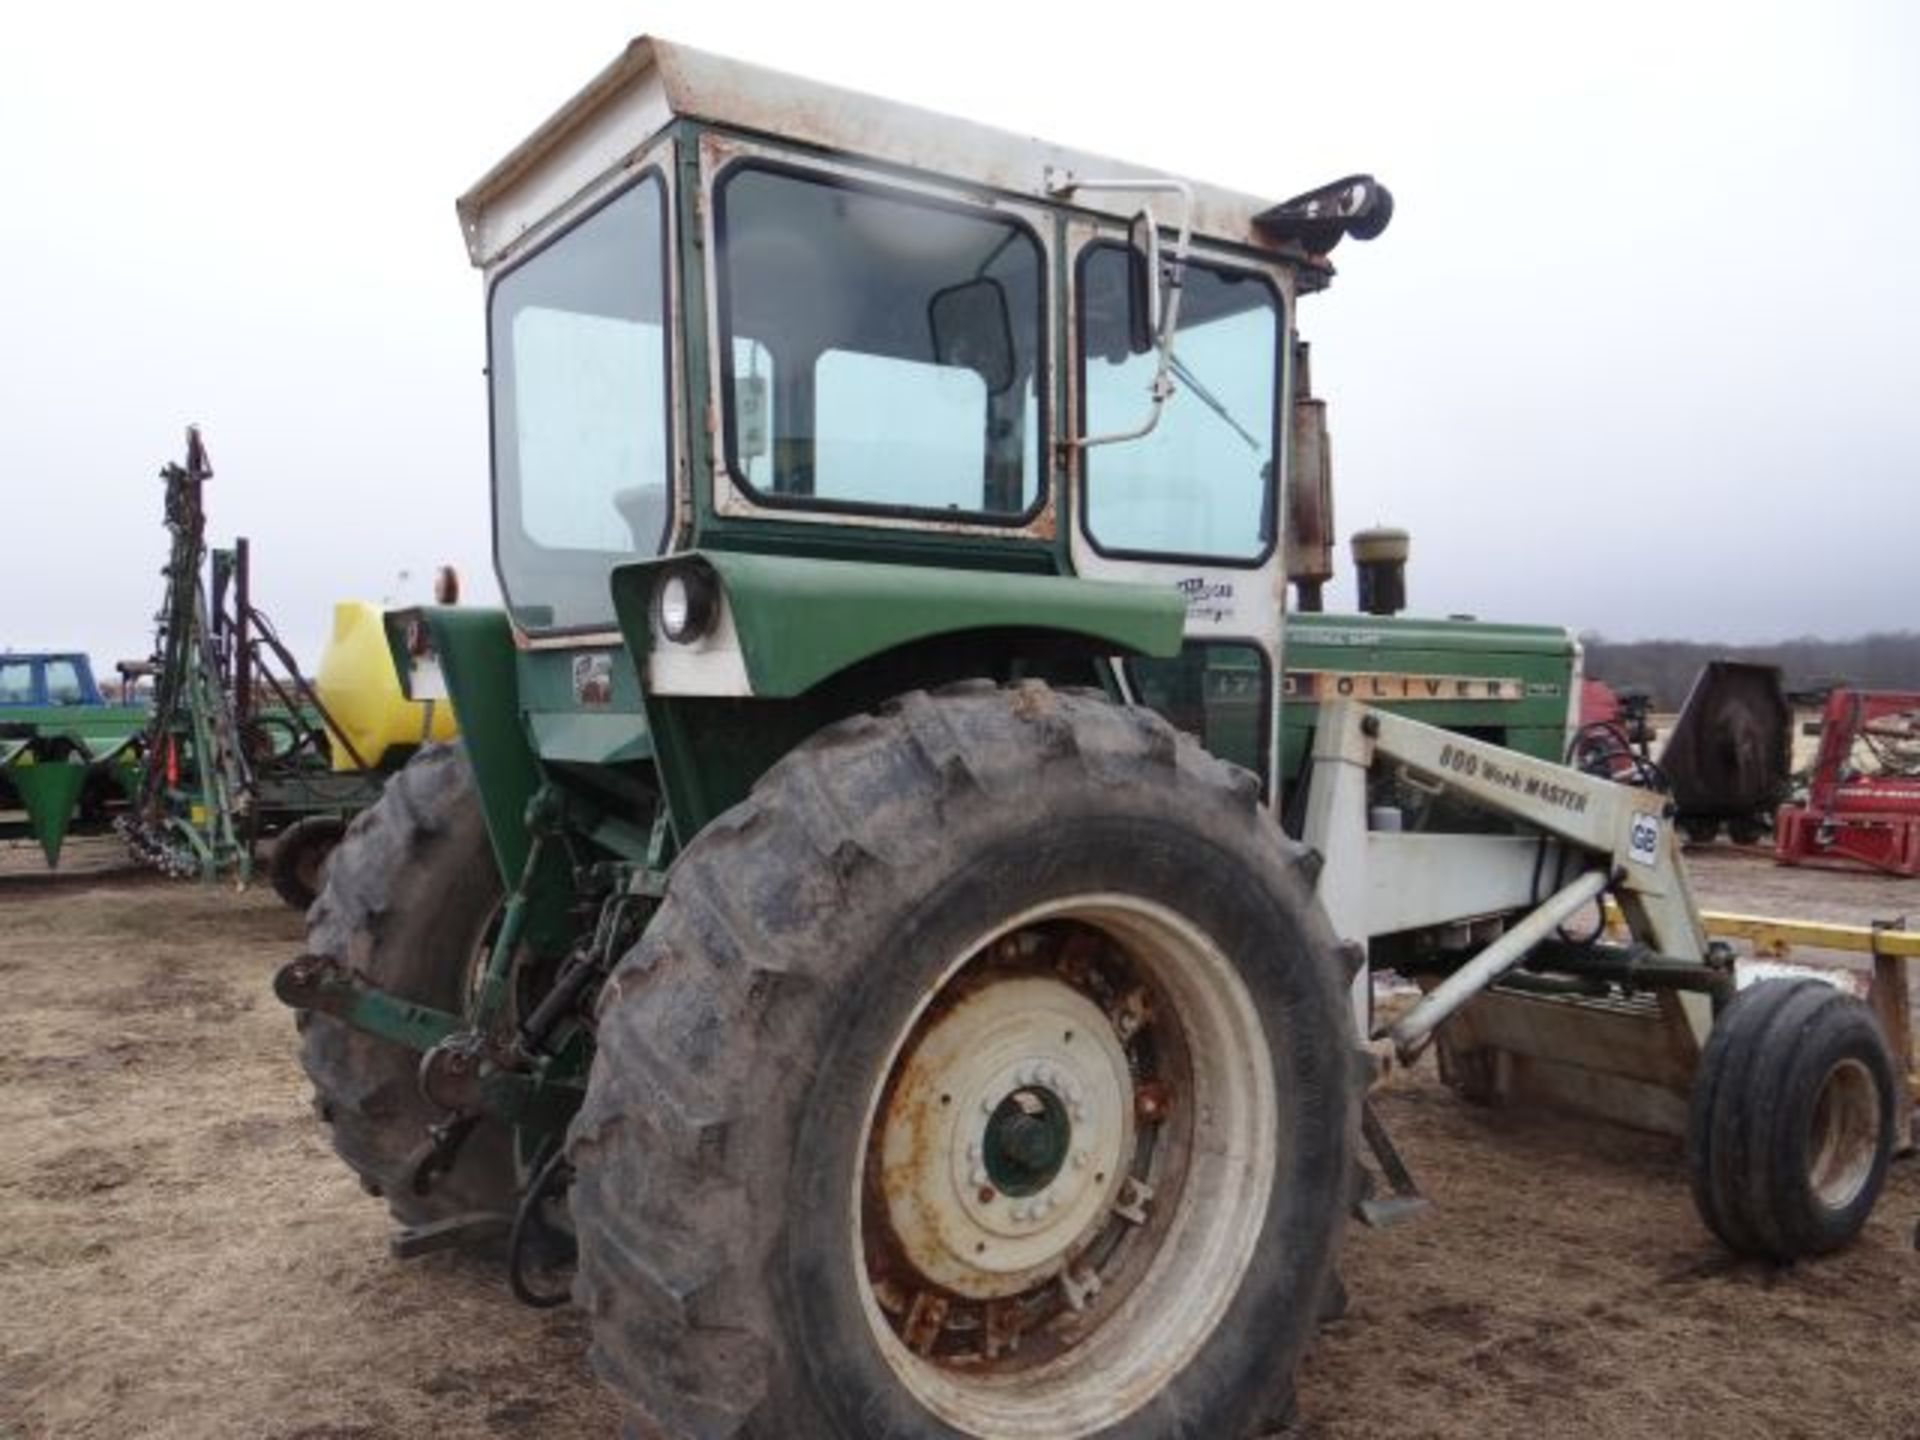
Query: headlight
x: 685, y: 603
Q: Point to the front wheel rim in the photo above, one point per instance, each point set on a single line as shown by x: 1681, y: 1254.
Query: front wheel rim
x: 1844, y: 1134
x: 1066, y: 1166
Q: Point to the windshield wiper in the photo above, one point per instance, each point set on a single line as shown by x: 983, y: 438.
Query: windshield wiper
x: 1212, y: 402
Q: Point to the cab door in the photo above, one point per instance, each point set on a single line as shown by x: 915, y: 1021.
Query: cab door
x: 1194, y: 504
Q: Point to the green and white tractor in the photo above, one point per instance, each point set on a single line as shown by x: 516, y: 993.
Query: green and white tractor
x: 857, y: 920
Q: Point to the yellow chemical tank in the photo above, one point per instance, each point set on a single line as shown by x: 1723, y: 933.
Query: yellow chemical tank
x: 357, y: 684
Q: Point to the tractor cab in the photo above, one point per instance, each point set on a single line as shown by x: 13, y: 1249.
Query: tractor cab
x: 732, y: 313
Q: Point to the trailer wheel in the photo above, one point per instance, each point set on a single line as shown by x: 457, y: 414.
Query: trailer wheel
x: 409, y: 899
x: 299, y: 860
x: 1792, y: 1120
x: 986, y: 1072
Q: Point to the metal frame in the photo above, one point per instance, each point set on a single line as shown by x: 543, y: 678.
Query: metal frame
x: 655, y: 81
x: 732, y: 497
x: 652, y: 162
x: 1634, y: 1065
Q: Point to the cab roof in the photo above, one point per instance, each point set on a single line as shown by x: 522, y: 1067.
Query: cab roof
x: 656, y: 81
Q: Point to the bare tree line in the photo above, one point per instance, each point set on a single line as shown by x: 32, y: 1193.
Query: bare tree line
x: 1665, y: 668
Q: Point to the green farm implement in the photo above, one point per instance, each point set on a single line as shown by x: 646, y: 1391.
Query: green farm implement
x: 67, y: 756
x: 239, y: 745
x: 232, y: 746
x: 894, y: 937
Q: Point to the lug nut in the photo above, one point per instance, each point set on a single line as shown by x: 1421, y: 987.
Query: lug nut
x: 1151, y: 1101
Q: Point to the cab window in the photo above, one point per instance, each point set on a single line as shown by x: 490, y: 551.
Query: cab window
x: 882, y: 351
x: 16, y: 682
x: 1202, y: 484
x: 581, y: 450
x: 63, y: 683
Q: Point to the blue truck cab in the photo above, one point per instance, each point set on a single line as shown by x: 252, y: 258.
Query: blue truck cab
x: 42, y: 680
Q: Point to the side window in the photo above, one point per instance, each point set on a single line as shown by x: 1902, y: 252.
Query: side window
x: 1202, y: 484
x: 63, y: 683
x: 16, y: 683
x: 582, y: 454
x: 1218, y: 692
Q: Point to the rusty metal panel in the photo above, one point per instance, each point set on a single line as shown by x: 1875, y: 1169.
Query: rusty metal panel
x: 1630, y: 1041
x: 654, y: 80
x: 1616, y: 1098
x: 597, y: 132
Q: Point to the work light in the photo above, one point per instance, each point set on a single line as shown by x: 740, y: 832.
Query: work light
x: 685, y: 604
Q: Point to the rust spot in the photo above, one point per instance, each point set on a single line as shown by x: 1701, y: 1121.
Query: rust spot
x: 925, y: 1317
x: 1001, y: 1331
x: 1077, y: 956
x: 1133, y: 1013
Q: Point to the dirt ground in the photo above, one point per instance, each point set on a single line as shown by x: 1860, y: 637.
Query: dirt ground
x: 180, y: 1255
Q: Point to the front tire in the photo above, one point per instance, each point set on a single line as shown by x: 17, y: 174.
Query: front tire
x: 409, y: 898
x: 1792, y: 1120
x: 986, y: 1072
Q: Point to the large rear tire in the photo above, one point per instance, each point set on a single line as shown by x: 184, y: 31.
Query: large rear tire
x: 410, y: 895
x: 986, y: 1072
x: 1792, y: 1120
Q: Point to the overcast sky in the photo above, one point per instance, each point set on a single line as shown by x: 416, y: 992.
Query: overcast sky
x: 1635, y: 356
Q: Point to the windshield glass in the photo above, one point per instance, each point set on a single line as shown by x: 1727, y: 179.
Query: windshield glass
x: 1201, y: 485
x: 882, y: 352
x: 581, y: 455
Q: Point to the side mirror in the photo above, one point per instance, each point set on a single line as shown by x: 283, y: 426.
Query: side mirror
x: 971, y: 327
x: 1143, y: 283
x: 1153, y: 307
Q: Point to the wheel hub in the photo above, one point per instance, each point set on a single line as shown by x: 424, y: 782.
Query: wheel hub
x: 1003, y: 1146
x: 1027, y: 1141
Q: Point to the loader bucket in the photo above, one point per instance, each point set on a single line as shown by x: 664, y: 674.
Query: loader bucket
x: 49, y: 790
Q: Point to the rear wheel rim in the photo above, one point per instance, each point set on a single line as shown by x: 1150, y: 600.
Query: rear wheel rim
x: 1066, y: 1167
x: 1844, y: 1135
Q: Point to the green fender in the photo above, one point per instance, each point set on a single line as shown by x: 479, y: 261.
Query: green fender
x: 797, y: 630
x: 801, y: 620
